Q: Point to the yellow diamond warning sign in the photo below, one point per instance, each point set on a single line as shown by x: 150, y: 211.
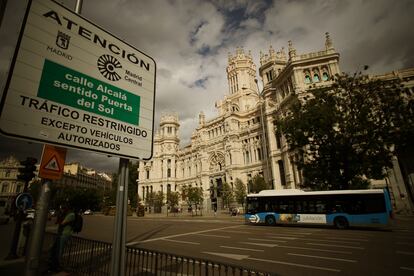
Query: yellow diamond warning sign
x: 53, y: 161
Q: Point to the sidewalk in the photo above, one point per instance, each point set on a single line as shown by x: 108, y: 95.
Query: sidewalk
x: 220, y: 215
x: 17, y: 267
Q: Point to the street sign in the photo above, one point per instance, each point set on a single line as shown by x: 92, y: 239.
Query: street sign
x: 24, y: 201
x: 53, y: 162
x: 74, y: 84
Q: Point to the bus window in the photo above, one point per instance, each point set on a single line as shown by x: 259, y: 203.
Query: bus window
x: 283, y: 206
x: 299, y: 208
x: 357, y: 207
x: 252, y: 206
x: 275, y: 207
x: 374, y: 205
x: 320, y: 207
x: 311, y: 207
x: 291, y: 207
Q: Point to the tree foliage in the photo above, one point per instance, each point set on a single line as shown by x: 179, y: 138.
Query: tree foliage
x: 193, y: 196
x: 109, y: 197
x: 173, y: 199
x: 132, y: 183
x: 150, y: 199
x: 158, y: 201
x: 346, y: 134
x: 227, y: 194
x: 258, y: 184
x: 79, y: 198
x: 240, y: 191
x: 132, y: 186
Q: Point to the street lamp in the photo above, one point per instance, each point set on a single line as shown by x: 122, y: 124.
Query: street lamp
x: 262, y: 122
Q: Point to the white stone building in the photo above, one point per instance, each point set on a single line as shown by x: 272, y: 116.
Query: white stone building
x: 76, y: 175
x: 236, y: 144
x: 10, y: 186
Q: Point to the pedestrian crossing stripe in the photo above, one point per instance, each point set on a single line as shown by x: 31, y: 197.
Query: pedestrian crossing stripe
x: 52, y: 165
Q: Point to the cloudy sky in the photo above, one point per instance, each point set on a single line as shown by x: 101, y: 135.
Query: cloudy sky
x: 190, y: 41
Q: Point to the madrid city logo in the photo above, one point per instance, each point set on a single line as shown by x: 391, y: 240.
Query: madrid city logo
x: 107, y: 65
x: 62, y: 40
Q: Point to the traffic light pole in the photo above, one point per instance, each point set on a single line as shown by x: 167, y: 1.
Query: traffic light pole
x: 17, y: 228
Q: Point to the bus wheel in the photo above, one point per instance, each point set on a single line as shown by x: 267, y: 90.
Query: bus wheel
x: 341, y: 223
x: 270, y: 220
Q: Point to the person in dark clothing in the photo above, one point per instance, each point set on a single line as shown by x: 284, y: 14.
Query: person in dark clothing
x: 64, y: 220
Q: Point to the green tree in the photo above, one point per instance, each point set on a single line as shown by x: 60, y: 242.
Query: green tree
x: 158, y: 201
x: 79, y: 198
x: 227, y: 194
x: 194, y: 197
x: 173, y: 199
x: 132, y: 183
x: 150, y: 199
x: 240, y: 191
x: 109, y: 196
x: 258, y: 184
x: 346, y: 134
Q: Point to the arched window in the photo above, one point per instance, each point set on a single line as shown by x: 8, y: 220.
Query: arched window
x: 247, y: 157
x: 315, y: 77
x: 307, y: 79
x: 325, y: 76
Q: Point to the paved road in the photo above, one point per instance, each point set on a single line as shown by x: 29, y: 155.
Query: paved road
x: 282, y: 249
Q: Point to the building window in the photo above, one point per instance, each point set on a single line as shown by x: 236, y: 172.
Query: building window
x: 325, y: 76
x: 282, y: 172
x: 147, y: 174
x: 247, y: 157
x: 168, y: 172
x: 307, y: 79
x: 143, y: 193
x: 19, y: 188
x: 269, y: 75
x: 278, y: 140
x: 315, y: 78
x: 7, y: 174
x: 5, y: 188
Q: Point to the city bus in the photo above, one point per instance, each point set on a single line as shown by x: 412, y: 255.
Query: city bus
x: 341, y: 209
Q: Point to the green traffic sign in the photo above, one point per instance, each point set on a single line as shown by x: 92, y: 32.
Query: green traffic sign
x: 64, y: 85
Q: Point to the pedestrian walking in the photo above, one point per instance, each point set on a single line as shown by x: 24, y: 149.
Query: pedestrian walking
x: 65, y: 230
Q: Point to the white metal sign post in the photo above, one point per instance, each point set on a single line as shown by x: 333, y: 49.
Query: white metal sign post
x: 74, y: 84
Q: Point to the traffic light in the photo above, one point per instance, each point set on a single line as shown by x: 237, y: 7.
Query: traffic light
x: 29, y: 167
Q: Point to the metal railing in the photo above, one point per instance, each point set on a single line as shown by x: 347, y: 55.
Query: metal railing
x: 90, y: 257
